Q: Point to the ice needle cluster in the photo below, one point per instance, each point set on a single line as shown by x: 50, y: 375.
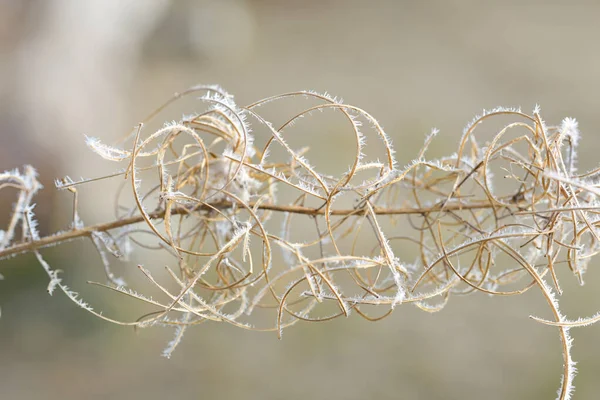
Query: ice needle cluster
x: 499, y: 216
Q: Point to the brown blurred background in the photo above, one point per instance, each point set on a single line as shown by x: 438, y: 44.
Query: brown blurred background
x: 70, y: 67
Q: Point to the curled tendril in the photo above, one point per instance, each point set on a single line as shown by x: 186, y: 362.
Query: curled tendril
x: 498, y: 216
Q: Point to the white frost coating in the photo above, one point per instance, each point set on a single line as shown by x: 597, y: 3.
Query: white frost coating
x: 567, y: 384
x: 570, y: 128
x: 485, y: 113
x: 105, y: 151
x: 31, y: 224
x: 61, y: 183
x: 103, y: 242
x: 331, y: 99
x: 28, y: 185
x: 212, y: 87
x: 592, y: 188
x: 179, y: 331
x: 228, y: 108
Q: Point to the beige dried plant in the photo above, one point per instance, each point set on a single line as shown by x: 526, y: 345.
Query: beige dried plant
x: 498, y: 216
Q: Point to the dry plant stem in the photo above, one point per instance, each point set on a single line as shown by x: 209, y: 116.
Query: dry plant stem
x: 205, y: 189
x: 87, y: 231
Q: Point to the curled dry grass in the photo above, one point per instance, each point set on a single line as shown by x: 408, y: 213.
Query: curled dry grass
x: 498, y: 216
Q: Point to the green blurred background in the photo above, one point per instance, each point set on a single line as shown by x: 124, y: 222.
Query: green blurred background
x: 70, y: 67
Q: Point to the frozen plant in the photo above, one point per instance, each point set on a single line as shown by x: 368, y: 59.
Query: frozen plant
x: 498, y: 216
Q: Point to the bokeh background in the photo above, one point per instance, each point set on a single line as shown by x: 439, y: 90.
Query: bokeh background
x: 70, y: 67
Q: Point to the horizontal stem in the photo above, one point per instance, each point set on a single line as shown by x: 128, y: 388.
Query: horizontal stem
x: 88, y: 230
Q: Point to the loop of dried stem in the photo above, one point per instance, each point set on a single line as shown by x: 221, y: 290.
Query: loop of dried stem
x: 499, y: 216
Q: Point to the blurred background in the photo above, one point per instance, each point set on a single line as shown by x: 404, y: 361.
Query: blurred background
x: 69, y: 68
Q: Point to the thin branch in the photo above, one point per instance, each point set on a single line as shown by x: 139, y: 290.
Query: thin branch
x: 87, y: 231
